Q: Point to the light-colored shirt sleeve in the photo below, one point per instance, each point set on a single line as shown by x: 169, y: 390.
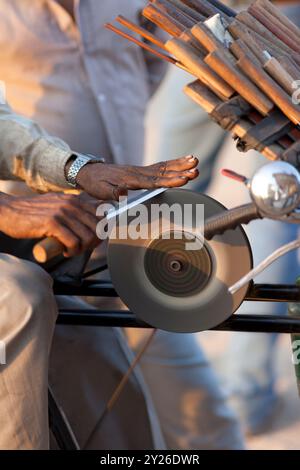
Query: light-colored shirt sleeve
x: 29, y: 154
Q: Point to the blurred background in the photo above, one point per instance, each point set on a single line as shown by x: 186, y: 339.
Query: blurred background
x: 255, y: 370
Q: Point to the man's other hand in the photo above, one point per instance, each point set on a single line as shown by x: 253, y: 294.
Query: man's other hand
x: 68, y: 218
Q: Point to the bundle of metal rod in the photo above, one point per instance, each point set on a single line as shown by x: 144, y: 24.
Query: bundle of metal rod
x: 246, y: 67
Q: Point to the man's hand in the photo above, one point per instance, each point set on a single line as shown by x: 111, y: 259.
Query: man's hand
x: 109, y: 182
x: 70, y: 219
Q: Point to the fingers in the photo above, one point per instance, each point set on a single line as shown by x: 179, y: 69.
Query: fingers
x: 81, y: 209
x: 89, y: 202
x: 189, y: 174
x: 86, y: 218
x: 179, y: 165
x: 88, y: 207
x: 66, y: 237
x: 80, y: 237
x: 85, y: 233
x: 182, y: 164
x: 174, y: 182
x: 170, y: 179
x: 173, y: 173
x: 75, y: 222
x: 82, y: 220
x: 159, y: 169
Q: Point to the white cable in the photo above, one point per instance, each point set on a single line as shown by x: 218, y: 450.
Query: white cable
x: 264, y: 264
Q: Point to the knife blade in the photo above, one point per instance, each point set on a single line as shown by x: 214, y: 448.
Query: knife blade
x: 134, y: 202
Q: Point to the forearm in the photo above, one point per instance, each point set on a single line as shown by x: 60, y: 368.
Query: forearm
x: 29, y: 154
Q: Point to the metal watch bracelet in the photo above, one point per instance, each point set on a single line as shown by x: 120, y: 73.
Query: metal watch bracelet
x: 80, y: 161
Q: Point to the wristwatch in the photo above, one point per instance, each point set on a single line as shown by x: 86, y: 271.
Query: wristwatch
x: 80, y: 161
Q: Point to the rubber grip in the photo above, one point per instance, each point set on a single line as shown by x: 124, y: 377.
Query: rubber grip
x: 230, y: 219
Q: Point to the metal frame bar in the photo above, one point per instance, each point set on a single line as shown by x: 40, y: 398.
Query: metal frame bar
x: 256, y: 292
x: 125, y: 319
x: 93, y: 317
x: 250, y: 323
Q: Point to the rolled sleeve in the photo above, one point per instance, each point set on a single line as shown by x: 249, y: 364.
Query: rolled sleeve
x: 29, y: 154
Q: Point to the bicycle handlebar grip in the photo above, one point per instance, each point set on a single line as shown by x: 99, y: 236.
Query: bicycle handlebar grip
x: 230, y: 219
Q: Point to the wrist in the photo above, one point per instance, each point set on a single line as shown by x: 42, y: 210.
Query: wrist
x: 83, y: 178
x: 75, y: 166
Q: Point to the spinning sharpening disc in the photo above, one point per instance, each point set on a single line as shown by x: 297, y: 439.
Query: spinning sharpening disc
x: 172, y: 288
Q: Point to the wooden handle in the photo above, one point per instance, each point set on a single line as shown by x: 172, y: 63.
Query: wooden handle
x: 275, y: 26
x: 47, y: 249
x: 210, y: 42
x: 282, y: 77
x: 248, y: 44
x: 241, y: 31
x: 270, y: 88
x: 191, y: 41
x: 239, y: 47
x: 193, y: 62
x: 248, y: 20
x: 239, y: 82
x: 273, y: 10
x: 202, y: 6
x: 290, y: 66
x: 190, y: 12
x: 210, y: 7
x: 199, y: 93
x: 206, y: 38
x: 174, y: 12
x: 163, y: 20
x: 224, y: 9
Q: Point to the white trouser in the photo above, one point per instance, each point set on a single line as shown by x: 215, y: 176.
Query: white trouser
x: 86, y: 365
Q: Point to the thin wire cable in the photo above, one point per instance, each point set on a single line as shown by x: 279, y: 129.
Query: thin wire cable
x: 98, y: 270
x: 121, y: 385
x: 264, y: 264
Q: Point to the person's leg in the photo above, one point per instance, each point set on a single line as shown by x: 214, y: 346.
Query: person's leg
x: 86, y: 365
x: 186, y: 393
x: 27, y: 317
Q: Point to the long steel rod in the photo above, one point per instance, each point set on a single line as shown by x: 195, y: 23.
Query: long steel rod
x: 257, y: 292
x: 250, y: 323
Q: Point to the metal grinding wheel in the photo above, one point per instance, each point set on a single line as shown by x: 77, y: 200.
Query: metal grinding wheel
x: 175, y: 289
